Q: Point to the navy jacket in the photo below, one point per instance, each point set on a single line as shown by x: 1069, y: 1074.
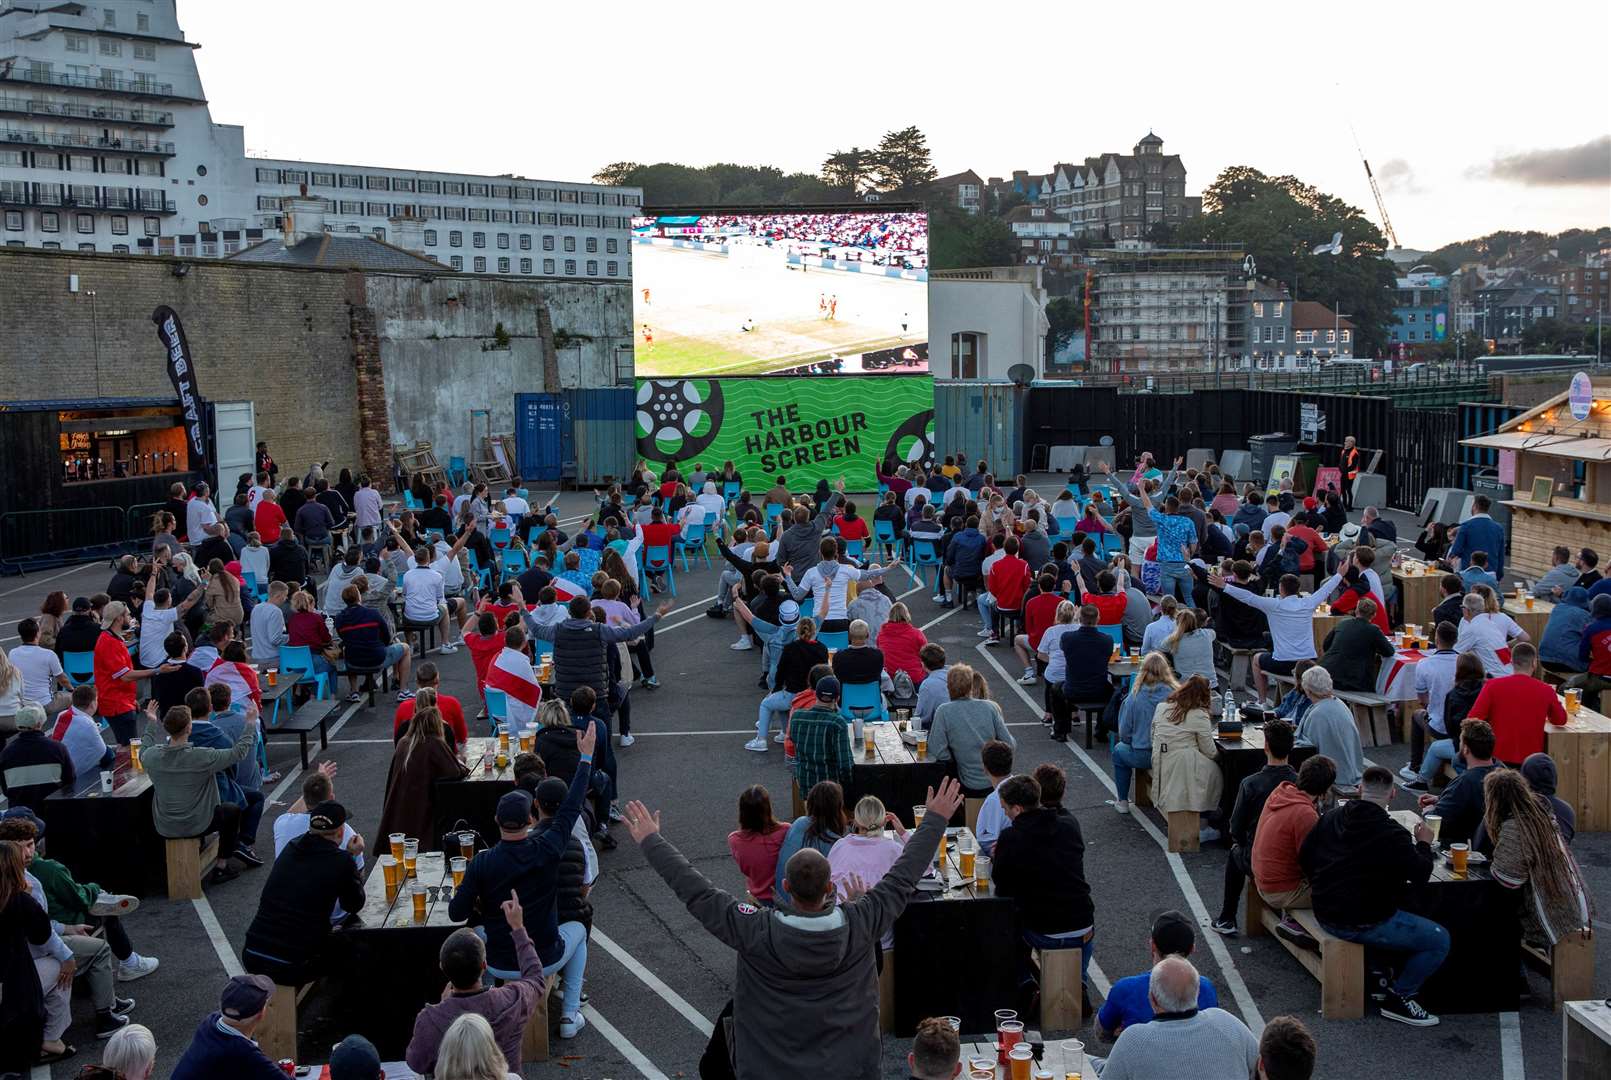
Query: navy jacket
x: 966, y: 552
x: 213, y: 1053
x: 1481, y: 534
x: 1086, y: 651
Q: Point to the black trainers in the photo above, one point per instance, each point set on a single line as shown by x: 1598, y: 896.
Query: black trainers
x: 248, y: 856
x: 1227, y: 927
x: 221, y: 873
x: 109, y: 1023
x: 1406, y: 1010
x: 1289, y: 929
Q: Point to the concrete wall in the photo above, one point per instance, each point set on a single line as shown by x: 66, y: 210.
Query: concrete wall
x: 1007, y: 306
x: 275, y: 337
x: 437, y: 342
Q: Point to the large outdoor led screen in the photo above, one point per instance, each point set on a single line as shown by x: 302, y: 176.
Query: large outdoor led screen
x: 718, y: 294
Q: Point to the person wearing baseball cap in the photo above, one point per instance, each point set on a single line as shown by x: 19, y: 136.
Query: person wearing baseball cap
x: 529, y: 861
x: 223, y: 1045
x: 821, y: 740
x: 79, y: 630
x: 355, y: 1058
x: 1127, y: 1003
x: 289, y: 939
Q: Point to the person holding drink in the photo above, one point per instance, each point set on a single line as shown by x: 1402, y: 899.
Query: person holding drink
x: 290, y: 937
x: 1461, y: 804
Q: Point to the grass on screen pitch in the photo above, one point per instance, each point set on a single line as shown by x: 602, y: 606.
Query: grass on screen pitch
x: 674, y: 356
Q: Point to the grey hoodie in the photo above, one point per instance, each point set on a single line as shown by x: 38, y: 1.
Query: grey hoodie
x: 800, y: 543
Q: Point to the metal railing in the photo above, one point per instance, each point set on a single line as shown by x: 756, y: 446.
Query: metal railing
x: 12, y: 73
x: 101, y: 113
x: 1351, y: 379
x: 115, y: 199
x: 92, y: 142
x: 59, y: 535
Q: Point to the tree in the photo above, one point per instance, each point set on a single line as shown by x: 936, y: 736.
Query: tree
x: 617, y: 173
x: 1065, y: 317
x: 903, y: 162
x: 1279, y: 220
x: 850, y: 169
x: 958, y: 239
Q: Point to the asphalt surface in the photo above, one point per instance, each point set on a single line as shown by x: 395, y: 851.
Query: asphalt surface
x: 656, y: 979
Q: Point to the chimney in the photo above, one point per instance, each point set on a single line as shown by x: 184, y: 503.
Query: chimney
x: 408, y: 233
x: 302, y: 217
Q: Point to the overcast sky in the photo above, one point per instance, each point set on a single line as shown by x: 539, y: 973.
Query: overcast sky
x: 1477, y: 117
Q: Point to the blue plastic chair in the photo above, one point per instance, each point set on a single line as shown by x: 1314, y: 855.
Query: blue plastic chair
x: 544, y: 648
x: 512, y: 561
x: 456, y: 470
x: 731, y: 490
x: 79, y: 666
x: 808, y: 607
x: 258, y: 589
x: 863, y: 698
x: 1111, y: 543
x: 834, y: 639
x: 483, y: 576
x: 696, y: 541
x: 499, y: 535
x: 773, y: 512
x: 657, y: 559
x: 925, y: 552
x: 1116, y: 632
x: 855, y: 549
x: 884, y: 533
x: 497, y: 709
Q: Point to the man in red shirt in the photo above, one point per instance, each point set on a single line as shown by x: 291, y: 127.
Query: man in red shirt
x: 659, y: 533
x: 1517, y: 707
x: 426, y: 677
x: 116, y: 676
x: 1109, y: 603
x: 1008, y: 581
x: 485, y: 643
x: 509, y: 600
x: 269, y: 518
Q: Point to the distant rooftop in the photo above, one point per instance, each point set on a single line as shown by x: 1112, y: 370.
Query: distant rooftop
x: 340, y: 251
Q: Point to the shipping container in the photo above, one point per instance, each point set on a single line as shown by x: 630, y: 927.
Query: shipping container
x: 603, y: 434
x: 983, y: 421
x: 540, y: 436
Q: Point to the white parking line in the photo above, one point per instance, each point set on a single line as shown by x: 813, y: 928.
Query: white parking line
x: 215, y: 934
x: 633, y: 1055
x: 36, y: 582
x: 1510, y: 1047
x: 658, y: 630
x: 940, y: 618
x: 290, y: 777
x: 649, y: 979
x: 1216, y: 944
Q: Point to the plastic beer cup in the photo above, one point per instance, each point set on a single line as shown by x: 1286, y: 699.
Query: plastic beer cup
x: 503, y: 737
x: 274, y: 676
x: 981, y: 873
x: 917, y: 814
x: 467, y: 844
x: 982, y: 1067
x: 867, y: 735
x: 396, y: 840
x: 106, y: 781
x: 1573, y: 700
x: 486, y: 763
x: 1010, y: 1033
x: 417, y: 893
x: 965, y: 856
x: 1458, y: 856
x: 134, y: 755
x: 922, y: 745
x: 1020, y: 1060
x: 1434, y: 822
x: 411, y: 854
x: 1529, y: 603
x: 388, y: 867
x: 459, y: 863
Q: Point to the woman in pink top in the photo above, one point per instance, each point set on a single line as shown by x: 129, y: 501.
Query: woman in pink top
x: 1226, y: 501
x: 865, y: 851
x: 899, y: 640
x: 755, y: 843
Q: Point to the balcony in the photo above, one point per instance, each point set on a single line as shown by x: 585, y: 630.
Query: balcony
x: 104, y: 114
x: 148, y: 202
x: 11, y: 71
x: 68, y: 141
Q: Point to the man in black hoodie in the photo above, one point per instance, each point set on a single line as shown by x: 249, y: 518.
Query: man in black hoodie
x: 1360, y: 863
x: 289, y: 939
x: 79, y: 631
x: 1040, y: 864
x: 1251, y: 796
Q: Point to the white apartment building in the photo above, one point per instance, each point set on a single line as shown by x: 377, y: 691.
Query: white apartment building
x: 107, y: 144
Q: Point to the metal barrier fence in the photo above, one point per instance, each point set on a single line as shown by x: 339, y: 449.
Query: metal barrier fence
x: 58, y: 534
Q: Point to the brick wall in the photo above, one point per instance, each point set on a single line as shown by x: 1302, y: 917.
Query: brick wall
x: 276, y: 337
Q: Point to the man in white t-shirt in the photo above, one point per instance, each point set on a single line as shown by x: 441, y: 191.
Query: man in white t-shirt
x: 366, y: 509
x: 514, y: 505
x: 425, y: 597
x: 712, y: 502
x: 317, y: 787
x: 76, y: 728
x: 43, y: 681
x: 158, y: 618
x: 255, y: 493
x: 201, y: 518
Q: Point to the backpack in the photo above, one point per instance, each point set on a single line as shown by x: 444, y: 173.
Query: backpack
x: 903, y: 689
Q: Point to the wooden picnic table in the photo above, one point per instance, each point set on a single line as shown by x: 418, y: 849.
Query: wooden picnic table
x: 81, y: 822
x: 1530, y: 619
x: 474, y: 799
x: 1586, y: 1041
x: 1241, y: 758
x: 942, y: 923
x: 1582, y: 753
x: 1481, y: 916
x: 1323, y: 625
x: 892, y: 771
x: 1419, y: 593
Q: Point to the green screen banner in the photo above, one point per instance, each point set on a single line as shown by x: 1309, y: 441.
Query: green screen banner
x: 808, y: 428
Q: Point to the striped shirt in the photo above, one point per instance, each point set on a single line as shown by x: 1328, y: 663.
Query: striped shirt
x: 821, y: 747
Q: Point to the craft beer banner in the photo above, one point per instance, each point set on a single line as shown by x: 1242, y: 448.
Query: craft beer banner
x: 182, y: 373
x: 804, y: 428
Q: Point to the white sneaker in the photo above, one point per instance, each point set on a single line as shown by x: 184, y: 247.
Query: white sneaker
x: 743, y: 644
x: 111, y: 903
x: 1029, y: 678
x: 1121, y: 805
x: 938, y: 598
x: 757, y: 744
x: 628, y: 740
x: 987, y: 633
x: 1407, y: 773
x: 571, y: 1026
x: 448, y: 647
x: 136, y: 967
x: 779, y: 738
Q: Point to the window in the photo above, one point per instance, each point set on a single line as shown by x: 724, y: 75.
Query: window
x: 431, y: 213
x: 144, y: 50
x: 430, y: 187
x: 592, y: 268
x: 545, y: 194
x: 147, y: 167
x: 142, y: 22
x: 77, y: 44
x: 80, y: 163
x: 108, y: 17
x: 567, y: 219
x: 1303, y: 337
x: 324, y: 179
x: 50, y: 221
x: 86, y: 247
x: 1258, y: 310
x: 120, y: 249
x: 476, y: 190
x: 567, y: 196
x: 570, y: 243
x: 375, y: 209
x: 610, y: 245
x: 452, y: 187
x: 1412, y: 316
x: 430, y: 237
x: 525, y: 266
x: 503, y: 241
x: 548, y: 219
x: 120, y: 225
x: 402, y: 184
x: 153, y: 226
x: 965, y: 350
x: 111, y: 48
x: 13, y: 158
x: 14, y: 221
x: 477, y: 215
x: 503, y: 266
x: 525, y: 217
x: 351, y: 180
x: 294, y: 176
x: 500, y: 191
x: 267, y: 202
x: 502, y: 216
x: 592, y: 245
x: 548, y: 266
x: 590, y: 221
x: 570, y: 266
x: 610, y: 268
x: 51, y: 245
x: 268, y: 176
x: 351, y: 206
x: 84, y: 223
x: 478, y: 239
x: 590, y: 197
x: 457, y: 262
x: 455, y: 239
x: 1331, y: 337
x: 1347, y: 336
x: 525, y: 241
x: 1412, y: 335
x: 548, y: 243
x: 481, y: 264
x: 1281, y: 334
x: 453, y: 213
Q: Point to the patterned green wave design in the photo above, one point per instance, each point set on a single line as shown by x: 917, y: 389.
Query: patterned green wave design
x: 840, y: 425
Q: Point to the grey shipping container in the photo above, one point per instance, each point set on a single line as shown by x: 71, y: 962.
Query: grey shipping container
x: 981, y: 420
x: 603, y: 434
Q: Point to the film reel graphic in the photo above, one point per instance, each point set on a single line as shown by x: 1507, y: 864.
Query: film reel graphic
x: 913, y: 442
x: 679, y: 418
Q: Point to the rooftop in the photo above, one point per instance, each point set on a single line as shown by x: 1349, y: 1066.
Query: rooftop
x: 338, y: 250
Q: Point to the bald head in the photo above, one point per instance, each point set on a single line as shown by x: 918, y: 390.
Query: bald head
x: 1173, y: 985
x: 806, y: 877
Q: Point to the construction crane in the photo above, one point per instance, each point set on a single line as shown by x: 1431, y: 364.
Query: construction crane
x: 1381, y: 207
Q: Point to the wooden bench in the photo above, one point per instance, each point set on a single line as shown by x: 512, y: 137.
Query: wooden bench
x: 1184, y: 829
x: 971, y: 813
x: 1586, y: 1040
x: 1367, y: 707
x: 313, y: 715
x: 1570, y: 965
x: 1340, y: 965
x: 276, y: 1035
x: 1241, y: 660
x: 189, y: 859
x: 1061, y: 989
x: 534, y: 1040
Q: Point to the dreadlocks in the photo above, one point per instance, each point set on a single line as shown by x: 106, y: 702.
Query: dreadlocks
x: 1508, y: 797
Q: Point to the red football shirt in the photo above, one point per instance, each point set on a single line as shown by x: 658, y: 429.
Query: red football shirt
x: 268, y: 521
x: 1009, y: 580
x: 111, y: 660
x: 1040, y: 611
x: 1517, y: 708
x: 1110, y: 606
x: 452, y: 715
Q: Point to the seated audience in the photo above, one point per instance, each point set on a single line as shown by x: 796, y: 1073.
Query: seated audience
x: 1328, y: 725
x: 961, y: 728
x: 1461, y: 805
x: 1212, y: 1041
x: 290, y: 938
x: 1185, y: 768
x: 1039, y: 864
x: 756, y: 842
x: 1127, y: 1002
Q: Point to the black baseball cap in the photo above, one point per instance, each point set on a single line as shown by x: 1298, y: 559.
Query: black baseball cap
x: 245, y: 996
x: 1172, y: 934
x: 827, y: 688
x: 354, y: 1058
x: 551, y: 792
x: 514, y: 810
x: 328, y: 816
x: 82, y: 604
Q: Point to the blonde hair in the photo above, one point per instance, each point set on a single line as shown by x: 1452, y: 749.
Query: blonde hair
x: 1490, y: 602
x: 1155, y: 671
x: 981, y: 689
x: 870, y: 815
x: 898, y: 612
x: 8, y: 672
x: 470, y: 1052
x: 553, y: 713
x: 1065, y: 612
x: 1185, y: 623
x: 301, y: 601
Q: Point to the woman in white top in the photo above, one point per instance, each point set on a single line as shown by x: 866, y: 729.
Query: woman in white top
x: 1049, y: 649
x: 255, y: 559
x: 1486, y: 633
x: 865, y: 852
x: 1191, y: 648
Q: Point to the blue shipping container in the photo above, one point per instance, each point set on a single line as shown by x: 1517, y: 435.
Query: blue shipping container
x: 540, y: 436
x: 980, y: 420
x: 602, y: 435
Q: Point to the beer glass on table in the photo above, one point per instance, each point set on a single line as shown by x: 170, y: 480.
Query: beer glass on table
x: 411, y: 854
x: 459, y: 864
x: 389, y: 867
x: 1573, y: 698
x: 1020, y: 1060
x: 134, y: 756
x: 416, y: 892
x: 965, y: 856
x: 396, y: 840
x: 1459, y: 856
x: 922, y: 746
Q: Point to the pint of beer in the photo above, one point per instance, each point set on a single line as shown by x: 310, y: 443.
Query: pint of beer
x: 416, y: 891
x: 388, y: 867
x: 1458, y: 856
x: 134, y: 755
x: 917, y: 814
x: 965, y: 857
x: 273, y: 676
x: 411, y: 854
x: 467, y: 844
x: 503, y: 737
x: 867, y: 731
x: 981, y: 874
x: 1573, y: 698
x: 1020, y: 1060
x: 528, y: 740
x: 459, y: 864
x: 396, y: 840
x: 922, y: 746
x: 940, y: 856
